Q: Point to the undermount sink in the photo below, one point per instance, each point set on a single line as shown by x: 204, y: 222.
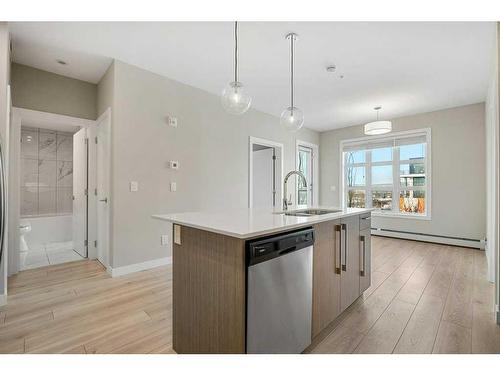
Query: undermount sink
x: 310, y: 212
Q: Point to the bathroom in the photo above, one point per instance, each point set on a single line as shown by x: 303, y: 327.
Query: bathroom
x: 46, y: 197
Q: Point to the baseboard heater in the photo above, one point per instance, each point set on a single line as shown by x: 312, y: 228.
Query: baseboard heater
x: 447, y: 240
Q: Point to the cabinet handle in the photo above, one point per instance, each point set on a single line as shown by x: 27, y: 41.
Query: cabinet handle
x: 362, y: 245
x: 338, y: 253
x: 346, y: 250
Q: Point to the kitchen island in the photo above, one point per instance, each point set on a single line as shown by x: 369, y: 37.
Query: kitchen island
x: 211, y: 263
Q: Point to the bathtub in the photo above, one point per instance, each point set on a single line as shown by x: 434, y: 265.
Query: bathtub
x: 45, y: 229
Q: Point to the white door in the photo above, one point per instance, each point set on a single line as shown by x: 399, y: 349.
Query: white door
x: 103, y: 187
x: 264, y: 177
x: 80, y: 185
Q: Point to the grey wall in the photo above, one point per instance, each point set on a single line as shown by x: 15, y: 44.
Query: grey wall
x: 48, y: 92
x: 210, y: 145
x: 458, y: 171
x: 4, y: 81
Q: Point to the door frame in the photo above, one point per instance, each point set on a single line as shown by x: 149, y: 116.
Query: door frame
x: 263, y: 142
x: 315, y: 171
x: 29, y: 117
x: 105, y: 260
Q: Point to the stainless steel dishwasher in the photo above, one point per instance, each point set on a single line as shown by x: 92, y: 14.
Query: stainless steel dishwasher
x: 279, y: 293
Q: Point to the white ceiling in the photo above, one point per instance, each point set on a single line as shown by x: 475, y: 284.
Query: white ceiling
x: 406, y: 68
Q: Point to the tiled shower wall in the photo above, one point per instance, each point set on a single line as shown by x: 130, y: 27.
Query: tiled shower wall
x: 46, y: 172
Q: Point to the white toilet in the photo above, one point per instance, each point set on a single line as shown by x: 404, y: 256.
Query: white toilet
x: 24, y: 228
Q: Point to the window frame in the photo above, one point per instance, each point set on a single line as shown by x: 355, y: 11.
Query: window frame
x: 314, y: 184
x: 396, y: 188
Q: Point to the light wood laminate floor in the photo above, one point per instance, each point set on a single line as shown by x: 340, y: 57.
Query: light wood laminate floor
x: 424, y: 298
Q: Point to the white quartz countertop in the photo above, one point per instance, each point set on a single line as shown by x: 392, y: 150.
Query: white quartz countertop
x: 251, y: 223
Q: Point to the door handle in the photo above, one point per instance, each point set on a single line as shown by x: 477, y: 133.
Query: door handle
x: 362, y: 245
x: 337, y: 248
x: 346, y: 250
x: 105, y: 200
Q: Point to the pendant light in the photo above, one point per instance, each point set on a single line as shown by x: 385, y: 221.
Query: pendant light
x: 378, y: 127
x: 234, y: 98
x: 292, y: 117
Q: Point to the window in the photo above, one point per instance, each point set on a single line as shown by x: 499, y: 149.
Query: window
x: 306, y: 161
x: 388, y: 173
x: 305, y: 164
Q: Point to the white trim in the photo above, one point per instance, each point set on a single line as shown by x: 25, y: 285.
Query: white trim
x: 429, y: 238
x: 47, y: 118
x: 401, y: 134
x: 263, y: 142
x: 428, y: 166
x: 103, y: 254
x: 401, y: 216
x: 19, y: 117
x: 315, y: 171
x: 3, y: 299
x: 124, y: 270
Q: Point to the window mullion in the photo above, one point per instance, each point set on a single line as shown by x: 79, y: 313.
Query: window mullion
x: 395, y: 182
x: 368, y: 176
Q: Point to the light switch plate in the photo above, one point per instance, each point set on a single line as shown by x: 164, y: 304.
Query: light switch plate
x: 173, y: 186
x: 164, y: 239
x: 173, y: 164
x: 134, y: 186
x: 172, y: 121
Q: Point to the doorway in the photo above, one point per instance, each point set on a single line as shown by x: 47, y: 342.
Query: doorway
x: 265, y: 173
x: 49, y: 189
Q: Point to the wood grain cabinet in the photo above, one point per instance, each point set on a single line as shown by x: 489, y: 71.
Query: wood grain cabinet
x: 326, y: 275
x: 349, y: 251
x: 365, y: 253
x: 341, y: 267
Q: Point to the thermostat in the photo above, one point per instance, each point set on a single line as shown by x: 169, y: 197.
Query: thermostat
x: 172, y: 121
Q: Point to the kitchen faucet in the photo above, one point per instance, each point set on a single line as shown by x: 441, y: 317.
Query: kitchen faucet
x: 288, y: 202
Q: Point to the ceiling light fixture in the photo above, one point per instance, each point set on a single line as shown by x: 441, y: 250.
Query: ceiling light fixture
x: 378, y: 127
x: 234, y: 98
x: 292, y: 117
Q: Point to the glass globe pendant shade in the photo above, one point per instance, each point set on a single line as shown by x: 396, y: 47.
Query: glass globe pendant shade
x: 292, y: 119
x: 234, y: 98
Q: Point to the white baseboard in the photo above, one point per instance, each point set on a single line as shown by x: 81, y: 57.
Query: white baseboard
x: 124, y: 270
x: 430, y: 238
x: 3, y: 299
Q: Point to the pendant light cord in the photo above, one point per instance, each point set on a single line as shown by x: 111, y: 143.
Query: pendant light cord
x: 235, y: 51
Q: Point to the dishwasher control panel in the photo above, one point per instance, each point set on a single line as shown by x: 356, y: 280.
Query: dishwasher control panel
x: 271, y: 247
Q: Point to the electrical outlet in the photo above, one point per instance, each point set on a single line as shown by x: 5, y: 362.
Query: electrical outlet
x: 164, y: 239
x: 173, y: 186
x: 134, y: 186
